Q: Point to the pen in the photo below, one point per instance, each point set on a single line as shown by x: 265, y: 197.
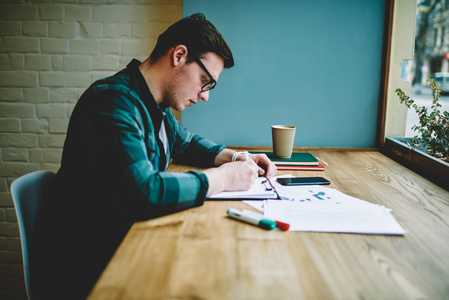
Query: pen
x: 260, y: 222
x: 279, y: 224
x: 274, y: 189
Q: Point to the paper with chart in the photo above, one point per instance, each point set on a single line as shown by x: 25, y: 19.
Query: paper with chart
x: 318, y: 208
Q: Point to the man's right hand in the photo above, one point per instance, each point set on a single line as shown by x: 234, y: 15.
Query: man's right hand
x: 235, y: 176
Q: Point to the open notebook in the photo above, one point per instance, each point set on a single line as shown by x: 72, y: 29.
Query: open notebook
x: 261, y: 189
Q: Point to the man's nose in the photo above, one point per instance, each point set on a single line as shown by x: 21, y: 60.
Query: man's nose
x: 204, y: 95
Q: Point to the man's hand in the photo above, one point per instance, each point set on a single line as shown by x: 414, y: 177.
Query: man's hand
x: 265, y: 166
x: 239, y: 175
x: 236, y: 176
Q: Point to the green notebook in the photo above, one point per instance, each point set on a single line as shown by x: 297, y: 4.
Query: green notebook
x: 297, y: 159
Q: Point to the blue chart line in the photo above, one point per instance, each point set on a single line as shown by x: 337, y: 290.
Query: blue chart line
x: 310, y: 194
x: 320, y: 195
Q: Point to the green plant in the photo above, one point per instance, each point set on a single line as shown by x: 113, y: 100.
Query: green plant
x: 434, y: 126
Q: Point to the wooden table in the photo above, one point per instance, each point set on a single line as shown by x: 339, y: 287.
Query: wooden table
x: 202, y: 254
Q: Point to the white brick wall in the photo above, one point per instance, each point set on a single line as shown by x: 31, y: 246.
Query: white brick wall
x: 50, y: 52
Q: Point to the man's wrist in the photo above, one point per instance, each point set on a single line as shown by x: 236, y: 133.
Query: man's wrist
x: 235, y: 156
x: 224, y: 156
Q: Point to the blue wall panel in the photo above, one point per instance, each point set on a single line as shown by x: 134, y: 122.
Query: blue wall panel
x: 312, y: 64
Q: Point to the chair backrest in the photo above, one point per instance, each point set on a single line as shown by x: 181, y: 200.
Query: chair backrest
x: 27, y: 194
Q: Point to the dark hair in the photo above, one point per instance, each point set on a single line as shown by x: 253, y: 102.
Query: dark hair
x: 198, y: 35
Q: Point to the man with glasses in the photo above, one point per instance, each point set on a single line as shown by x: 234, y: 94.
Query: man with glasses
x: 121, y: 137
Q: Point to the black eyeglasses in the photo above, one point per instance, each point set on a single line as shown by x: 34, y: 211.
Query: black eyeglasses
x: 211, y: 83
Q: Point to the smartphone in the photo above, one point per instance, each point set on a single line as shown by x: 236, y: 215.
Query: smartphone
x: 303, y: 180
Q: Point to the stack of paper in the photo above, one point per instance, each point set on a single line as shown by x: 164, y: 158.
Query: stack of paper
x: 318, y: 208
x: 333, y: 218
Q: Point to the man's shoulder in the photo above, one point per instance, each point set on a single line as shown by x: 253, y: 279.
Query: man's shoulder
x: 117, y: 89
x: 125, y: 80
x: 120, y: 82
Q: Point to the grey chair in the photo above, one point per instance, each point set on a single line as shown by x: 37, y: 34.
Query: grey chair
x: 27, y: 194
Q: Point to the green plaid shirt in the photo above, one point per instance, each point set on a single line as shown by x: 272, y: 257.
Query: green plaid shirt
x: 113, y: 148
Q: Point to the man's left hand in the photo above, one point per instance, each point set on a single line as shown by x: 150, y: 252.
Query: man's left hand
x: 266, y: 167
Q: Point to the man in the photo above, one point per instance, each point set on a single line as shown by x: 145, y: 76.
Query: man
x: 121, y: 137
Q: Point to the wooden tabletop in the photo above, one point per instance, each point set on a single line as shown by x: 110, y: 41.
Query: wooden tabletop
x: 202, y: 254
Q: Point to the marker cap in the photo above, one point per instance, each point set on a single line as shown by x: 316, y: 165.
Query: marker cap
x: 282, y: 225
x: 266, y: 224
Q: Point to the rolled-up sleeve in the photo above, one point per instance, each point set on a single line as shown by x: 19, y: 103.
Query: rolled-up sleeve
x: 192, y: 149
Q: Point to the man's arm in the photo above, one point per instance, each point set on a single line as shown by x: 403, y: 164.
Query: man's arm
x: 239, y: 175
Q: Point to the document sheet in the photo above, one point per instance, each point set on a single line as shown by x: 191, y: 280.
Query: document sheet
x: 319, y: 208
x: 261, y: 189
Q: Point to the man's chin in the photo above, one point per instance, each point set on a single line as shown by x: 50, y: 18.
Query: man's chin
x: 179, y: 108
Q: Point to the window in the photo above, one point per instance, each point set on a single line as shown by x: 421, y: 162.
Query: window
x: 431, y: 57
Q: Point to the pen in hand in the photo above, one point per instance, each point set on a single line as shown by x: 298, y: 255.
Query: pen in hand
x: 261, y: 171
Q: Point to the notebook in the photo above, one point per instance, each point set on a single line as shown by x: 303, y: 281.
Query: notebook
x: 297, y: 158
x: 261, y: 189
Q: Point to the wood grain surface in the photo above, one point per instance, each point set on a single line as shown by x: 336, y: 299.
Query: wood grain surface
x: 202, y: 254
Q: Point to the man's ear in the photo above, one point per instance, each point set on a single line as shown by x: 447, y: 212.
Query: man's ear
x: 179, y: 55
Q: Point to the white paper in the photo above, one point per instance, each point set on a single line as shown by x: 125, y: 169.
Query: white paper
x: 257, y: 191
x: 371, y: 219
x: 309, y: 194
x: 312, y: 194
x: 323, y: 209
x: 257, y: 204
